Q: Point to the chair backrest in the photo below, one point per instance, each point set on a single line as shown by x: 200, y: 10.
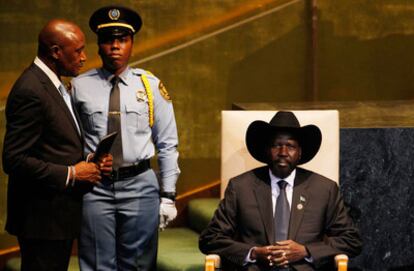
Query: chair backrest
x: 235, y: 159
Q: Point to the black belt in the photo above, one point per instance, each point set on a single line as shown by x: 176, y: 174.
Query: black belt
x: 131, y: 171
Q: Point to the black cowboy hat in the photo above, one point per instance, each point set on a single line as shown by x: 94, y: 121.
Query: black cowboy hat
x: 259, y: 132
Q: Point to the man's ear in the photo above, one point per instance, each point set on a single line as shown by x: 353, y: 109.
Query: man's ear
x: 55, y: 51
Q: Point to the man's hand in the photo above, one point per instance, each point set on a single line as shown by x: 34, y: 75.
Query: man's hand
x: 87, y: 172
x: 281, y: 254
x: 105, y: 164
x: 291, y: 250
x: 167, y: 212
x: 269, y: 255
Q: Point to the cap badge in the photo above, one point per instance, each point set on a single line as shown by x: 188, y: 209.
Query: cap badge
x: 114, y: 14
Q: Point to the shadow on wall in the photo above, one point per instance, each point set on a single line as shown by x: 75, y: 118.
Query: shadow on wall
x: 3, y: 176
x: 277, y: 72
x: 348, y: 69
x: 355, y: 69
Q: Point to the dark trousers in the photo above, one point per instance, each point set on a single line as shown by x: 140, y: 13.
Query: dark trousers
x: 45, y: 255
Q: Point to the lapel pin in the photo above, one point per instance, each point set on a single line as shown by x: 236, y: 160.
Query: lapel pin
x: 299, y: 206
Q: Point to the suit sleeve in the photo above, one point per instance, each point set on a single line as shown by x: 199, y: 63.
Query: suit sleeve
x: 341, y: 236
x: 25, y: 120
x: 220, y: 236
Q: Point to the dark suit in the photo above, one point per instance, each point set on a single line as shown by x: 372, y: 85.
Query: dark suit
x: 41, y: 141
x: 244, y: 219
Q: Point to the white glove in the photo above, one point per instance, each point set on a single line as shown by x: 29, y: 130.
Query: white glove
x: 167, y: 212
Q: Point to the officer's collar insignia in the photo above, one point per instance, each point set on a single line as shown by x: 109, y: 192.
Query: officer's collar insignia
x: 114, y: 14
x: 164, y: 92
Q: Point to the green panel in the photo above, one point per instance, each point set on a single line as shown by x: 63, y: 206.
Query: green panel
x: 200, y: 212
x: 178, y: 251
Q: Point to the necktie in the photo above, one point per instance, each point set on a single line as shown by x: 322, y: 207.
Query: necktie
x: 66, y: 97
x: 282, y: 213
x: 114, y: 122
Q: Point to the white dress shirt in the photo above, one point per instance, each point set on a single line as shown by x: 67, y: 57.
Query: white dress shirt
x: 276, y: 190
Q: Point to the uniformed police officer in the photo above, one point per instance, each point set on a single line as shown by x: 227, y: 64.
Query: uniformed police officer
x: 122, y: 214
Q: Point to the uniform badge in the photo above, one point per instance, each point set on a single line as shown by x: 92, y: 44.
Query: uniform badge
x: 164, y: 92
x: 141, y: 95
x: 114, y: 14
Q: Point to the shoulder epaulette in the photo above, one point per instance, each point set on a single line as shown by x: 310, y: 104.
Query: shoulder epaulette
x: 149, y: 73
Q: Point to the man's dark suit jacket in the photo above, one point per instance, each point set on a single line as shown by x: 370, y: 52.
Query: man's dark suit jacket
x: 244, y: 219
x: 41, y: 141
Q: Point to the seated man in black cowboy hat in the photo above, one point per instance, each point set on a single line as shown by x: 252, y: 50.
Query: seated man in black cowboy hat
x: 280, y: 216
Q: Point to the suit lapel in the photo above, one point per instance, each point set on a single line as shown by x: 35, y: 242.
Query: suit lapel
x: 263, y: 193
x: 299, y: 201
x: 54, y: 93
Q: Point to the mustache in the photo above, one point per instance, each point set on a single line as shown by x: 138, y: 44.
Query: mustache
x: 284, y: 160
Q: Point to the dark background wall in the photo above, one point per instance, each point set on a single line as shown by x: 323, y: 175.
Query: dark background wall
x: 222, y: 51
x: 210, y: 54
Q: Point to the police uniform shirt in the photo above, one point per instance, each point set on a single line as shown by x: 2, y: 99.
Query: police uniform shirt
x: 91, y: 92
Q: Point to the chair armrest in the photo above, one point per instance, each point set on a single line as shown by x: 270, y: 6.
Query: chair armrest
x: 212, y: 262
x: 341, y: 261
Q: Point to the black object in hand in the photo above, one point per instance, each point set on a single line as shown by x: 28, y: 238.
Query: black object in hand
x: 104, y: 146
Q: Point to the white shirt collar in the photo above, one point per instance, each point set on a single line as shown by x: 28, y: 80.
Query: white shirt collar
x: 289, y: 179
x: 52, y: 76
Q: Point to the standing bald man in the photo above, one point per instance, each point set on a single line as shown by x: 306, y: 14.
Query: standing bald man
x: 43, y: 152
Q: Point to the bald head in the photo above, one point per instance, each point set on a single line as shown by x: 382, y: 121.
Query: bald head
x: 61, y: 47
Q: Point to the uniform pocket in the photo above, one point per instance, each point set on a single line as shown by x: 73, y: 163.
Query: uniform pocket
x: 94, y: 120
x: 137, y: 117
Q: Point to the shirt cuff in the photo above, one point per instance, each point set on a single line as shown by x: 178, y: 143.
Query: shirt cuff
x: 248, y: 260
x: 310, y: 258
x: 89, y: 157
x: 67, y: 178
